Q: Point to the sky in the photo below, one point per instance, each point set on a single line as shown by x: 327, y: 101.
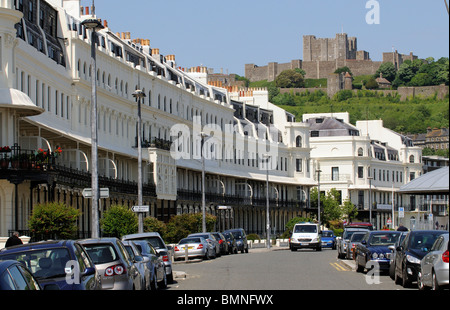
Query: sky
x: 228, y: 34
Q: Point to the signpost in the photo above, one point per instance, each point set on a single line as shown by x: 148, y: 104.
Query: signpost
x: 104, y: 193
x: 141, y: 209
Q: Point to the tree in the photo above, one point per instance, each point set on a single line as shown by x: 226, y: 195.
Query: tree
x: 388, y: 70
x: 349, y: 210
x: 290, y: 79
x: 119, y: 221
x: 343, y: 70
x: 152, y: 224
x: 371, y: 84
x: 181, y: 226
x: 53, y: 221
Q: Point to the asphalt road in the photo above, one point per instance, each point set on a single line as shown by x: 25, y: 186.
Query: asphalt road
x: 278, y: 270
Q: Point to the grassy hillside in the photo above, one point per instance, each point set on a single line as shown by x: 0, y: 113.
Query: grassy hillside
x: 410, y: 116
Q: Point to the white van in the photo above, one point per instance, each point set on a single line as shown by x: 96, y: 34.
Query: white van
x: 306, y: 235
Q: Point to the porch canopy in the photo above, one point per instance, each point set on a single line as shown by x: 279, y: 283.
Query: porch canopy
x: 18, y: 101
x: 435, y: 182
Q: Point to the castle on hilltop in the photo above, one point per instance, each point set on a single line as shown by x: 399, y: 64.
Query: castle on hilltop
x: 322, y: 56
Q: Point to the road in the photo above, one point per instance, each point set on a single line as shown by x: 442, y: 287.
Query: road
x: 278, y: 270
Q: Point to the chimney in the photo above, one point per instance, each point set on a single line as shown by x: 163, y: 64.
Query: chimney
x: 86, y: 10
x: 105, y: 23
x: 155, y: 51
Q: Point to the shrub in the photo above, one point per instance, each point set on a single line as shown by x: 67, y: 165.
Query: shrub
x: 119, y: 221
x: 152, y: 224
x: 181, y: 226
x: 253, y: 237
x: 53, y: 221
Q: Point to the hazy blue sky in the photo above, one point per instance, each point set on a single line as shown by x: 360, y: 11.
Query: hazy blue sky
x: 231, y: 33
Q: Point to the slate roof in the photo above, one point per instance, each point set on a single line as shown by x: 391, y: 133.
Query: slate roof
x: 435, y: 182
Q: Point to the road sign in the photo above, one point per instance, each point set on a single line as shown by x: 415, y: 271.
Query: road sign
x: 401, y: 212
x: 141, y: 209
x: 104, y: 193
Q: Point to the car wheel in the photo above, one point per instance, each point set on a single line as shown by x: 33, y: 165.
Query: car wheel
x: 154, y: 282
x: 246, y: 250
x: 405, y: 281
x: 163, y: 283
x: 359, y: 268
x: 420, y: 284
x: 397, y: 279
x: 435, y: 285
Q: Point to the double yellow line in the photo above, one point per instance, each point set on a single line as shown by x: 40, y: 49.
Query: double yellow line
x: 338, y: 267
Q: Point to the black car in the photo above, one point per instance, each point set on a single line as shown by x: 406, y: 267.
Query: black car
x: 241, y: 239
x: 14, y: 276
x: 222, y: 242
x: 57, y: 263
x: 232, y: 244
x: 410, y: 253
x: 373, y: 250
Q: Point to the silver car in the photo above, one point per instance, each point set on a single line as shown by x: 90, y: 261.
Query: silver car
x: 211, y: 239
x: 158, y: 243
x: 154, y: 263
x: 113, y: 263
x: 342, y: 242
x: 195, y: 246
x: 434, y: 266
x: 140, y: 262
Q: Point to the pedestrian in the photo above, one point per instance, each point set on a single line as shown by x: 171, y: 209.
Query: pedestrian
x: 402, y: 228
x: 13, y: 240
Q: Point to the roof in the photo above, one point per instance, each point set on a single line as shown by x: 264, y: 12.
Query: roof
x: 432, y: 182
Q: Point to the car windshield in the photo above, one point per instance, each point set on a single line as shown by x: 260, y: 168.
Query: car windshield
x: 44, y: 264
x: 327, y: 234
x: 154, y: 241
x: 423, y: 241
x: 305, y: 229
x: 204, y: 236
x: 357, y: 237
x: 190, y: 240
x: 237, y: 234
x: 227, y: 236
x: 383, y: 238
x: 101, y: 253
x: 348, y: 233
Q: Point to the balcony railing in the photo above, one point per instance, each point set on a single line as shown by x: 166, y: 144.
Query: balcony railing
x: 236, y: 200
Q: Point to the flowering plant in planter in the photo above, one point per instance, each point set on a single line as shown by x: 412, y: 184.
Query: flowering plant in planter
x: 5, y: 149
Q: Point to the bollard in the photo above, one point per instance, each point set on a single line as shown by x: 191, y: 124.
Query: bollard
x: 186, y: 258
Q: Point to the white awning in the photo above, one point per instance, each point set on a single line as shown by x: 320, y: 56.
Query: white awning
x: 18, y: 101
x: 430, y: 183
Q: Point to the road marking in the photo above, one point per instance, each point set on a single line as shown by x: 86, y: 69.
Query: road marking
x: 338, y: 267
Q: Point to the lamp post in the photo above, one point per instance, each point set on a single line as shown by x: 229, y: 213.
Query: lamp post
x: 370, y: 199
x: 139, y: 94
x: 203, y: 135
x: 267, y: 158
x: 318, y: 171
x: 94, y: 25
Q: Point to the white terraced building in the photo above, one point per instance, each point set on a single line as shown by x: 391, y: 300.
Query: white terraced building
x: 45, y: 104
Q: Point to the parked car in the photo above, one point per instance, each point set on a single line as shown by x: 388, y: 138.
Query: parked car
x: 416, y: 245
x: 158, y: 244
x: 14, y: 276
x: 231, y: 241
x: 328, y: 239
x: 393, y: 249
x: 222, y: 242
x: 355, y: 239
x: 342, y: 242
x: 64, y: 264
x: 241, y: 239
x: 364, y: 225
x: 197, y: 247
x: 113, y: 263
x: 155, y: 263
x: 434, y: 266
x: 211, y: 239
x: 140, y: 262
x: 374, y: 247
x: 305, y: 235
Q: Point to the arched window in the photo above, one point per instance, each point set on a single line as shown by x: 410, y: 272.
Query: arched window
x: 411, y: 159
x: 298, y: 141
x: 360, y: 152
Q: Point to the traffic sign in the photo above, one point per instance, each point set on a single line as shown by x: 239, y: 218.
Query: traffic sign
x: 401, y: 212
x: 104, y: 193
x: 141, y: 209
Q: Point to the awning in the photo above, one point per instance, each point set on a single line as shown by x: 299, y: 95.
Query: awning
x: 435, y: 182
x: 18, y: 101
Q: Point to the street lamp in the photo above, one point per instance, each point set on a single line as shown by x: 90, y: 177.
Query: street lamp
x: 370, y: 199
x: 203, y: 135
x: 94, y: 25
x: 267, y: 158
x: 318, y: 171
x: 139, y: 94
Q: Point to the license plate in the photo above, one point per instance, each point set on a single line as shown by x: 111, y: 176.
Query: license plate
x: 303, y: 243
x: 190, y: 247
